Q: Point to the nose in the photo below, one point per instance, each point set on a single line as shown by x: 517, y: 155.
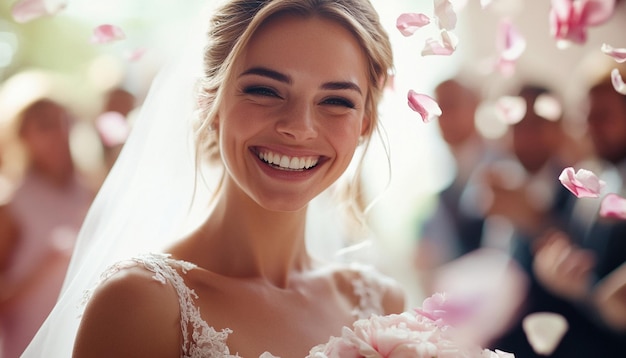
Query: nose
x: 298, y: 122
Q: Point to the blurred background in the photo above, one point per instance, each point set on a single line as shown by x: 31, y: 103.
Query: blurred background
x: 52, y: 57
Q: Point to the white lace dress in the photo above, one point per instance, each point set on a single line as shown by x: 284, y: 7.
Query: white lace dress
x: 206, y: 342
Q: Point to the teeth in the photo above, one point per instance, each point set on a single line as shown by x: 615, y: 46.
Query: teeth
x: 289, y: 163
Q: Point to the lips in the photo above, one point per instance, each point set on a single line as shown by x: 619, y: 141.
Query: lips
x: 286, y: 162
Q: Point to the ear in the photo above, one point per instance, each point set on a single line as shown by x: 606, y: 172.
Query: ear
x: 366, y: 125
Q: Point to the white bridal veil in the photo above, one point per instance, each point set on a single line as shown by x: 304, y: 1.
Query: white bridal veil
x: 145, y: 202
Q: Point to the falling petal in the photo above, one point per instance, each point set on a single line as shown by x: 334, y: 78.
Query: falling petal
x: 548, y: 107
x: 112, y: 128
x: 618, y: 82
x: 613, y: 206
x: 458, y: 4
x: 485, y: 3
x: 583, y: 183
x: 445, y: 47
x: 444, y: 12
x: 618, y: 54
x: 424, y: 105
x: 511, y: 44
x: 510, y: 109
x: 28, y: 10
x: 544, y: 331
x: 596, y: 12
x: 135, y: 55
x: 410, y: 22
x: 569, y: 19
x: 107, y: 33
x: 566, y: 24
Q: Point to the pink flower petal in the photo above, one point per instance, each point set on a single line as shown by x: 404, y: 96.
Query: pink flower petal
x: 618, y: 82
x: 613, y: 206
x: 446, y: 312
x: 596, y: 12
x: 618, y: 54
x: 112, y: 128
x: 583, y: 183
x: 570, y: 19
x: 135, y: 55
x: 445, y: 47
x: 544, y: 331
x: 28, y: 10
x: 511, y: 44
x: 107, y: 33
x: 425, y: 105
x: 410, y: 22
x: 510, y: 109
x: 444, y: 12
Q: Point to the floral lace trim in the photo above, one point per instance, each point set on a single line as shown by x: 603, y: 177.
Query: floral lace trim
x: 205, y: 341
x: 368, y: 287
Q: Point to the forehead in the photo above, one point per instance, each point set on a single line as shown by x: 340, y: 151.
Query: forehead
x: 306, y: 44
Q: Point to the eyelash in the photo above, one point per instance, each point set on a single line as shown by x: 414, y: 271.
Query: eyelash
x: 338, y: 101
x: 261, y: 91
x: 268, y: 92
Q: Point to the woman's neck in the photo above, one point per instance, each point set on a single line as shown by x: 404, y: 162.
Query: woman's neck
x: 242, y: 239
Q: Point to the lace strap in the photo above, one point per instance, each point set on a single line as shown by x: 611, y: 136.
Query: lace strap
x: 205, y: 341
x: 369, y: 287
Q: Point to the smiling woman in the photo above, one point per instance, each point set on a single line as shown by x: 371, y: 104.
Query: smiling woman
x: 289, y: 90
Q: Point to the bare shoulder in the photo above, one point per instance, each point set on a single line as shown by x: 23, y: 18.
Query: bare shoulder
x: 355, y: 277
x: 130, y: 315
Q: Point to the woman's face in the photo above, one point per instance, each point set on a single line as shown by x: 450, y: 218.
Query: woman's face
x: 291, y: 119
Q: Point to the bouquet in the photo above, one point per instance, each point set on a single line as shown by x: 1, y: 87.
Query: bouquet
x: 425, y: 332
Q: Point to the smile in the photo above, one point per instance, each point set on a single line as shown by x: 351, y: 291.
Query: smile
x: 284, y: 162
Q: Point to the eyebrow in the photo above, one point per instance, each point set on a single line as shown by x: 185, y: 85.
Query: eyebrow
x: 281, y: 77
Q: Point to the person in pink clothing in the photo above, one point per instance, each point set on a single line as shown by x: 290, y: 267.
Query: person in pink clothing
x: 46, y: 210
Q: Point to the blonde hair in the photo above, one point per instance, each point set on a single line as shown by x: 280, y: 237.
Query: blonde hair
x: 234, y: 24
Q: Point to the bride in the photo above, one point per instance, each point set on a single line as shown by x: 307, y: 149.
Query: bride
x: 289, y: 91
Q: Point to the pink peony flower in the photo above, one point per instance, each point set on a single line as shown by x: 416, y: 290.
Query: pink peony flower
x: 398, y: 336
x: 613, y: 206
x: 28, y: 10
x: 410, y: 22
x: 425, y: 105
x: 445, y: 311
x: 583, y: 183
x: 107, y: 33
x: 618, y: 81
x: 618, y: 54
x: 569, y: 19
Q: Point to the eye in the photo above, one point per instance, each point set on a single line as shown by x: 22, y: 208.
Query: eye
x: 261, y: 91
x: 338, y: 101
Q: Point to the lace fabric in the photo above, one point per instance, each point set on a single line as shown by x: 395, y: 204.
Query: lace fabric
x: 205, y: 341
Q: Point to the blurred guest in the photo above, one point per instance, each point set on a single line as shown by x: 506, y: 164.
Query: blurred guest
x: 46, y: 211
x: 456, y: 226
x: 113, y: 123
x: 575, y: 265
x: 524, y: 187
x: 456, y: 245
